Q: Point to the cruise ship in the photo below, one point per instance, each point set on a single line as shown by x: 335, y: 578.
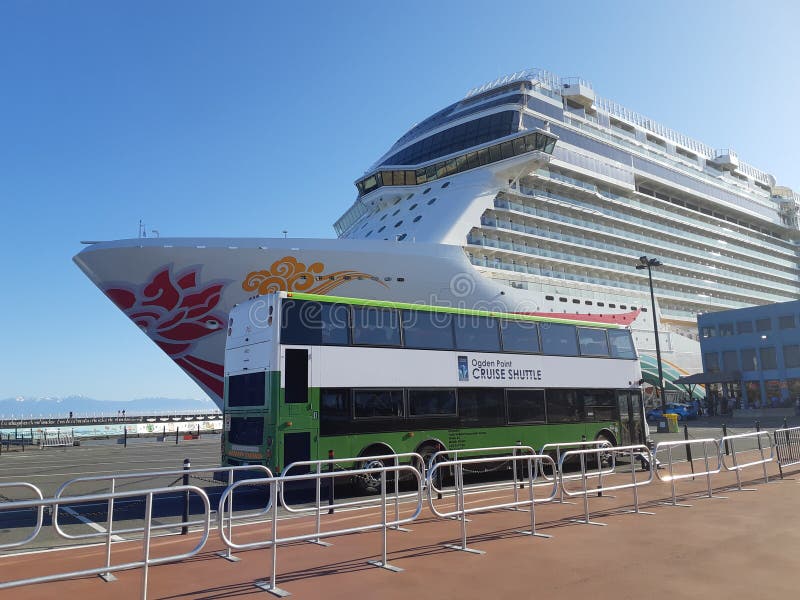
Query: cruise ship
x: 532, y: 194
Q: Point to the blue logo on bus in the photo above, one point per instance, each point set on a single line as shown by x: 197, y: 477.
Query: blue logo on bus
x: 463, y: 369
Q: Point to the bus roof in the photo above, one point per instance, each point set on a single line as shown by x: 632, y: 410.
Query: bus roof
x: 443, y: 309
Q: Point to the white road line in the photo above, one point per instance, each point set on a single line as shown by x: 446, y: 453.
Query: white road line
x: 81, y: 473
x: 92, y: 524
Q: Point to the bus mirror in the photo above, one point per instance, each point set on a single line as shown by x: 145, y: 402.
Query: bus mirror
x: 288, y: 423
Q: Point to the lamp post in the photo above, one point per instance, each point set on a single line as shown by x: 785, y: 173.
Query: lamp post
x: 649, y: 263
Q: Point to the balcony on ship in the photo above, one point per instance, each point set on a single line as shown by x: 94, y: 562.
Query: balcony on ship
x: 577, y: 90
x: 726, y: 159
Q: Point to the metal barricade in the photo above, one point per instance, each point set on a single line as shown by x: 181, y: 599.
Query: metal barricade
x: 582, y: 445
x: 115, y: 478
x: 760, y: 437
x: 146, y: 529
x: 534, y: 463
x: 787, y: 447
x: 633, y: 452
x: 672, y: 477
x: 276, y: 482
x: 495, y: 455
x: 415, y: 459
x: 39, y: 512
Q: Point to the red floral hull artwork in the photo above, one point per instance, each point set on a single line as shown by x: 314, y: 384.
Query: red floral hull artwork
x: 176, y: 311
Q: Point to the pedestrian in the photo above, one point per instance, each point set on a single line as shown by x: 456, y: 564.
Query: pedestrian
x: 123, y: 414
x: 70, y: 415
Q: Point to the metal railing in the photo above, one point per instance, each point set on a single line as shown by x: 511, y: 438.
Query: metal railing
x: 582, y: 445
x: 147, y: 530
x: 705, y: 443
x: 275, y: 483
x: 760, y: 437
x: 493, y: 454
x: 787, y: 447
x: 39, y: 512
x: 108, y: 531
x: 533, y: 462
x: 416, y: 460
x: 634, y: 452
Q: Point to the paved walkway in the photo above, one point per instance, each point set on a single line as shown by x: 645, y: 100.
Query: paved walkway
x: 745, y: 546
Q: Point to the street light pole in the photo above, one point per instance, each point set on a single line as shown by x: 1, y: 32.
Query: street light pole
x: 649, y: 263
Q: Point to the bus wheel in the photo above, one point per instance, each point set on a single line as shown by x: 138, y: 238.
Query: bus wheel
x: 370, y: 483
x: 605, y: 457
x: 426, y: 450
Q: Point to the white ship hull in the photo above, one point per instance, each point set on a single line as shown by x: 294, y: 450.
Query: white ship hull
x: 179, y: 291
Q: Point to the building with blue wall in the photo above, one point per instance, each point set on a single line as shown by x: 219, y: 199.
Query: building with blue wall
x: 759, y: 347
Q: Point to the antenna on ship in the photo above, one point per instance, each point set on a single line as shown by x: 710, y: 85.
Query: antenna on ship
x: 142, y: 229
x: 284, y: 232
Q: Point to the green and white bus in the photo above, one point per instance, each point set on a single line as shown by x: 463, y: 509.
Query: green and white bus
x: 310, y: 376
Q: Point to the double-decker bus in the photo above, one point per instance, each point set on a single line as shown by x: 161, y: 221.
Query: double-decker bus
x: 310, y: 376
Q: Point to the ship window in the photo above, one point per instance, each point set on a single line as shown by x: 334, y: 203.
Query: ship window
x: 383, y: 217
x: 396, y: 225
x: 633, y: 308
x: 426, y: 190
x: 612, y: 306
x: 400, y: 238
x: 576, y: 301
x: 562, y: 299
x: 395, y: 212
x: 549, y: 298
x: 587, y: 302
x: 644, y: 309
x: 431, y: 201
x: 369, y: 233
x: 412, y: 207
x: 623, y: 307
x: 507, y: 149
x: 446, y: 183
x: 601, y: 304
x: 417, y: 218
x: 382, y: 228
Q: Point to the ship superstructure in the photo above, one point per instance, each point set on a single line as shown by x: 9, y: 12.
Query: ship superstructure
x: 531, y: 194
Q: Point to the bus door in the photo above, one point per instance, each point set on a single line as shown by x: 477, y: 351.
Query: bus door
x: 630, y: 417
x: 298, y: 421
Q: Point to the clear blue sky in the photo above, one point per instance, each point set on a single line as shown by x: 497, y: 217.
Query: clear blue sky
x: 247, y: 118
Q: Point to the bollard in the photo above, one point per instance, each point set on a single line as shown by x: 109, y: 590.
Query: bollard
x: 177, y: 430
x: 758, y: 425
x: 330, y: 484
x: 725, y: 434
x: 125, y: 437
x: 688, y: 447
x: 164, y: 437
x: 198, y: 430
x: 186, y: 466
